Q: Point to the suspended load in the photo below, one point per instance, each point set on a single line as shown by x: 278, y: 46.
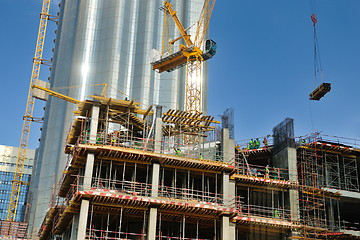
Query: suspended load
x: 320, y: 91
x: 324, y: 88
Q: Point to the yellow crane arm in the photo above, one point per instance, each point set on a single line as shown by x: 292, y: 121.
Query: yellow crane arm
x: 181, y: 28
x: 203, y: 22
x: 58, y: 95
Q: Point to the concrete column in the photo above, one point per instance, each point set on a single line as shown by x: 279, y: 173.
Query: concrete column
x: 232, y: 231
x: 83, y: 216
x: 155, y: 179
x: 88, y: 170
x: 74, y: 227
x: 94, y: 123
x: 331, y: 214
x: 225, y: 228
x: 158, y: 135
x: 286, y: 158
x: 228, y: 146
x: 226, y: 190
x: 151, y: 231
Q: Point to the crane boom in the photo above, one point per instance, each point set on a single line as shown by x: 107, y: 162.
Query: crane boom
x: 58, y: 95
x: 25, y: 132
x: 179, y: 25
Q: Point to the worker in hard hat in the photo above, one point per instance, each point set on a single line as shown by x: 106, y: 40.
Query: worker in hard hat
x: 251, y: 144
x: 265, y: 142
x: 257, y: 143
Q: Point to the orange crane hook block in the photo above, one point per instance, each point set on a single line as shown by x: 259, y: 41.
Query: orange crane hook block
x: 314, y: 19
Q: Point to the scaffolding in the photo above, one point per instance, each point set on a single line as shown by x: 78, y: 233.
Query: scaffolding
x: 146, y: 179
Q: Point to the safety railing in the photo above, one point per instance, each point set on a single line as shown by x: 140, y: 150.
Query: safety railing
x: 318, y: 137
x: 144, y: 189
x: 202, y: 151
x: 346, y: 225
x: 265, y: 172
x: 255, y: 143
x: 182, y: 238
x: 262, y: 211
x: 191, y: 194
x: 95, y: 234
x: 129, y: 187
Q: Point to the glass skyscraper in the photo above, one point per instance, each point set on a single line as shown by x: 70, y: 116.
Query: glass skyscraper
x: 104, y: 41
x: 8, y: 158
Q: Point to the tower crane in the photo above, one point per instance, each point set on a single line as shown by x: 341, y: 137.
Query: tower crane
x: 28, y: 117
x: 190, y: 54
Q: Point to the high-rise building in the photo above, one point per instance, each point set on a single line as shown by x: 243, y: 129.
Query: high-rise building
x: 111, y: 42
x: 8, y: 158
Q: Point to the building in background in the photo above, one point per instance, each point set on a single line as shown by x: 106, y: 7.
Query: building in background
x: 111, y: 42
x: 8, y: 158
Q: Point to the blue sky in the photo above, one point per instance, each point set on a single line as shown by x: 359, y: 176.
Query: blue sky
x: 263, y: 68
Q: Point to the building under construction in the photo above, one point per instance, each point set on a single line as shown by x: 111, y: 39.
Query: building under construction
x: 137, y: 173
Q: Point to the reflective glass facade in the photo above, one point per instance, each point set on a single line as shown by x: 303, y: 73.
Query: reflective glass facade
x: 104, y: 41
x: 8, y: 158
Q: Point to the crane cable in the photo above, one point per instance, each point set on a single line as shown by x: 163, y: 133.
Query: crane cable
x: 317, y: 59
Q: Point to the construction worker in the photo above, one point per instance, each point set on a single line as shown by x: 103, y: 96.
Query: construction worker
x: 201, y: 156
x: 177, y: 151
x: 251, y: 144
x: 267, y: 171
x: 265, y: 142
x: 113, y: 140
x: 276, y: 213
x: 276, y: 173
x: 257, y: 143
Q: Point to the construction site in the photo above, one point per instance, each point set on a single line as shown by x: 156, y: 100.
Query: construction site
x: 137, y: 174
x: 148, y: 171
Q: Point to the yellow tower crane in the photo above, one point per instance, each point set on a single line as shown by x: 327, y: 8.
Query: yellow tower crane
x: 190, y: 54
x: 28, y: 117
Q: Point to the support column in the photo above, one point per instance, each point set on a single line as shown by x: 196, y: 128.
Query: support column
x: 92, y: 139
x: 331, y: 214
x: 151, y: 231
x: 227, y: 146
x: 286, y: 158
x: 225, y: 228
x: 74, y: 227
x: 155, y: 180
x: 82, y: 220
x: 226, y: 189
x: 158, y: 130
x: 94, y: 123
x: 232, y: 231
x: 152, y: 220
x: 88, y: 171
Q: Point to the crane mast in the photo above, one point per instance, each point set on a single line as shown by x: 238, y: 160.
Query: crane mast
x: 28, y: 117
